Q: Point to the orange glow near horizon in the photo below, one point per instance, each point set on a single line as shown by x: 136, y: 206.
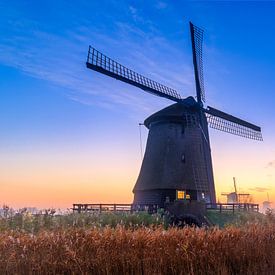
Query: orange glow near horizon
x: 60, y: 180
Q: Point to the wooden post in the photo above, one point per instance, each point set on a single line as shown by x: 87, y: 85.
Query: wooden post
x: 100, y: 208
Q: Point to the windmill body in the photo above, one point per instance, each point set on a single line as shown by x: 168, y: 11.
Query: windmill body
x: 177, y: 163
x: 177, y: 157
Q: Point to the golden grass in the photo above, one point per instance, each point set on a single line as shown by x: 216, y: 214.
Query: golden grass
x: 245, y: 250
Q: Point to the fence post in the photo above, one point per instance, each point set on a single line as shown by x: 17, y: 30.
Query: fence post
x: 79, y: 208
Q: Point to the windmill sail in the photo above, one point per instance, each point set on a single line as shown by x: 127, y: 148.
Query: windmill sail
x: 103, y: 64
x: 196, y: 39
x: 233, y: 125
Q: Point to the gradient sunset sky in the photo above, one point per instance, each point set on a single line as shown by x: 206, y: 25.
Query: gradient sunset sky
x: 68, y: 134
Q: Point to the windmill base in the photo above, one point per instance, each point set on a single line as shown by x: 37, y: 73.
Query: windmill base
x: 161, y: 197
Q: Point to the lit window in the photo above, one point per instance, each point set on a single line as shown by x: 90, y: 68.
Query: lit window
x: 180, y: 195
x: 187, y: 197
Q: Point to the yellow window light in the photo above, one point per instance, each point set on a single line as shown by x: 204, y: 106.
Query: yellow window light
x: 180, y: 195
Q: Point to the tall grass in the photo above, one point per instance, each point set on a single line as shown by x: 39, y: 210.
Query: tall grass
x: 245, y: 250
x: 117, y: 243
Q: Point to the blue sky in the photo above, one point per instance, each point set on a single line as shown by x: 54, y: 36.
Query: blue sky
x: 54, y: 113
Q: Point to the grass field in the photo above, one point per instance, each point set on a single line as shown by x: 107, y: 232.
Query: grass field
x: 132, y: 244
x: 49, y: 220
x: 239, y: 218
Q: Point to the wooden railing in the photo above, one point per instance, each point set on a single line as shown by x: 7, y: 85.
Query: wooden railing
x: 152, y: 208
x: 120, y: 207
x: 221, y: 207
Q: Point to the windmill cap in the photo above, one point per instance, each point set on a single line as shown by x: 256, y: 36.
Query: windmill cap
x: 174, y: 112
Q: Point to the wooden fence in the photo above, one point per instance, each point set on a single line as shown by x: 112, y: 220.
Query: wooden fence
x: 152, y: 208
x: 222, y: 207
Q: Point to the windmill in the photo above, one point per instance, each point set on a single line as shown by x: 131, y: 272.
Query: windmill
x: 267, y: 203
x: 177, y: 162
x: 236, y: 197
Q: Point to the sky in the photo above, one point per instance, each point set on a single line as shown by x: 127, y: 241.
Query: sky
x: 69, y: 135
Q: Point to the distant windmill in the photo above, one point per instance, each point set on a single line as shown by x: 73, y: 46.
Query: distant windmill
x: 236, y: 197
x: 177, y: 163
x: 267, y: 204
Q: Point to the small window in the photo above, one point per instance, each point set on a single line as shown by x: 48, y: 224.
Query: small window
x: 183, y: 158
x: 187, y: 197
x: 180, y: 195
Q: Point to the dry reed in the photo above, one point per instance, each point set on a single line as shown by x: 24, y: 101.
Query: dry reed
x: 245, y: 250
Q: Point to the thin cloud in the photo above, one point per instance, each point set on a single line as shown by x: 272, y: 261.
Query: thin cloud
x: 161, y: 5
x: 271, y: 164
x: 61, y: 61
x: 134, y: 13
x: 259, y: 189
